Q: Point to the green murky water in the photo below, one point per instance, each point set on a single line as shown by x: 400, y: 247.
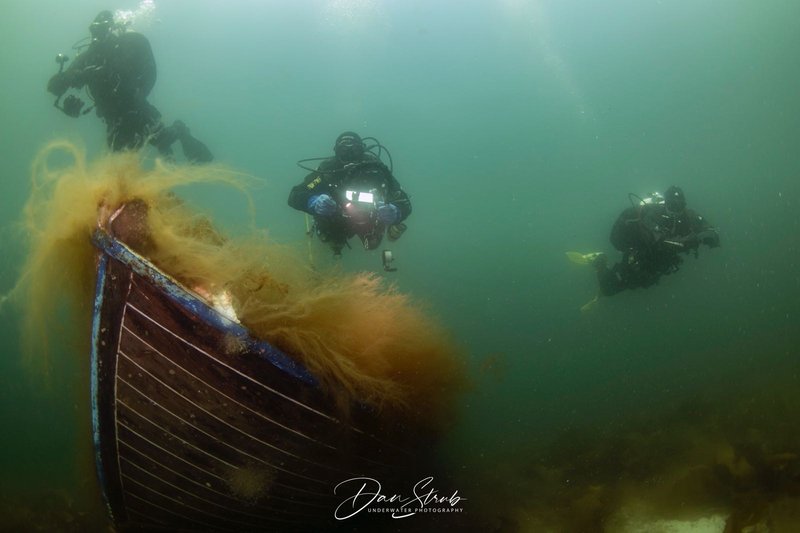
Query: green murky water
x: 519, y: 127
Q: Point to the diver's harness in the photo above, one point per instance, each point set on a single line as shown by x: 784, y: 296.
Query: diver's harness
x: 360, y: 206
x: 661, y: 232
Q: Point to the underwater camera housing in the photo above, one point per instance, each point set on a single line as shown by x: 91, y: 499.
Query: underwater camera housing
x: 360, y: 205
x: 72, y: 105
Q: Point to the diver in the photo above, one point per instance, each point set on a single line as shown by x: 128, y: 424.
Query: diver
x: 651, y: 234
x: 353, y: 194
x: 118, y: 69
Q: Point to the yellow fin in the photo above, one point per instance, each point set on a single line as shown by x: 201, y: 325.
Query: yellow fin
x: 588, y: 306
x: 583, y: 259
x: 577, y: 257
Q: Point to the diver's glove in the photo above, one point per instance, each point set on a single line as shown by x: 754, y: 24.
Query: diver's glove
x: 710, y: 238
x: 72, y: 106
x: 688, y: 242
x: 388, y: 213
x: 322, y: 205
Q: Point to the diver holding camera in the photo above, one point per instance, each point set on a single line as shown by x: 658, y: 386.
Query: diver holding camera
x: 118, y: 69
x: 353, y: 194
x: 72, y: 105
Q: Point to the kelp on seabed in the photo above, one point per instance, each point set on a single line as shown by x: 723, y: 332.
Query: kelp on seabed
x: 364, y: 341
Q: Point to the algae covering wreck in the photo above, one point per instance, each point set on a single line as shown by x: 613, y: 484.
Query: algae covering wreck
x: 231, y: 385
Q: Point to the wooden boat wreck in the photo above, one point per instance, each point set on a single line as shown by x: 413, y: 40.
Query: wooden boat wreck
x: 189, y: 437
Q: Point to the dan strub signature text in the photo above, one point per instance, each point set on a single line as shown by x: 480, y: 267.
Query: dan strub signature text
x: 364, y: 492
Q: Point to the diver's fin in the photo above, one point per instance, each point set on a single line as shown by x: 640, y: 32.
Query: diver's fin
x: 583, y: 259
x: 588, y: 306
x: 576, y: 257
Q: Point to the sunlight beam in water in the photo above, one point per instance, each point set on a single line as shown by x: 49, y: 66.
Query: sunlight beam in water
x: 531, y: 18
x: 351, y: 15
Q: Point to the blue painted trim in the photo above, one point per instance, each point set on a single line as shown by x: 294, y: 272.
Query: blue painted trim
x: 95, y: 376
x: 199, y: 308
